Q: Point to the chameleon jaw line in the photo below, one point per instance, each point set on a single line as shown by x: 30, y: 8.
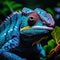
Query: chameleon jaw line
x: 36, y: 27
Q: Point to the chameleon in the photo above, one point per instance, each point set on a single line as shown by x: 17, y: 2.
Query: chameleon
x: 20, y: 30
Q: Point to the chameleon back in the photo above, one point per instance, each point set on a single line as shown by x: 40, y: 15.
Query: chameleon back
x: 6, y: 28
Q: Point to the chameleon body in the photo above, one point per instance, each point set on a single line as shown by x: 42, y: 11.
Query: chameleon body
x: 20, y: 30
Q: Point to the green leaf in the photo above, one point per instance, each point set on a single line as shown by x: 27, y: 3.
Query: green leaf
x: 4, y: 10
x: 52, y: 43
x: 17, y: 10
x: 51, y: 11
x: 56, y: 34
x: 9, y: 3
x: 12, y: 5
x: 47, y: 48
x: 16, y: 5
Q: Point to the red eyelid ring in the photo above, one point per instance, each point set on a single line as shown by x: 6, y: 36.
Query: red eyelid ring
x: 34, y: 15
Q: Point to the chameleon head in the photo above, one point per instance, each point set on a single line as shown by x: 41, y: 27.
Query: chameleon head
x: 36, y: 22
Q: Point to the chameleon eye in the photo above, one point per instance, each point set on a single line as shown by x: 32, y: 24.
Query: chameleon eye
x: 33, y: 18
x: 31, y: 21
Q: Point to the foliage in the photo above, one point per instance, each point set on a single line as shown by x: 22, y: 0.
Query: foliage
x: 56, y: 34
x: 12, y: 5
x: 51, y: 11
x: 9, y: 6
x: 51, y: 44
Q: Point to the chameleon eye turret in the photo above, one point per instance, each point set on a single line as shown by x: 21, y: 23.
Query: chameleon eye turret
x: 31, y: 21
x: 33, y: 18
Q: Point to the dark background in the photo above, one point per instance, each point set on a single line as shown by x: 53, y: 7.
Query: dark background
x: 9, y: 6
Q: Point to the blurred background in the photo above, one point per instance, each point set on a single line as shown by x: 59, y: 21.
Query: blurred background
x: 9, y: 6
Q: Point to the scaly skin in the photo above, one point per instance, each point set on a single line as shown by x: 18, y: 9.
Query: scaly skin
x: 23, y: 29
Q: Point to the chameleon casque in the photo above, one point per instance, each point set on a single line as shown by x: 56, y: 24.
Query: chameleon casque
x: 20, y: 30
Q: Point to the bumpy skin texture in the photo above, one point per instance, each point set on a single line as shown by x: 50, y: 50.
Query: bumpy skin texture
x: 17, y: 43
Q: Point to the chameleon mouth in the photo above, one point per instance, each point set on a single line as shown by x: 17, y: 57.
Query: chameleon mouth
x: 36, y: 27
x: 42, y: 27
